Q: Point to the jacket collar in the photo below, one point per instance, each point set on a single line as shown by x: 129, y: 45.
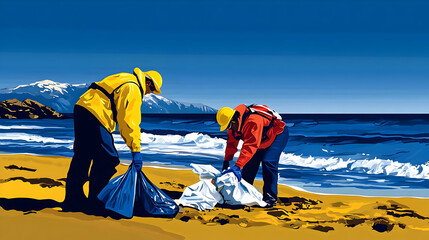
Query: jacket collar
x: 242, y: 109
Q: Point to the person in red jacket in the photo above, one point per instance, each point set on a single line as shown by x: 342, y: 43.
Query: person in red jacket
x: 264, y: 137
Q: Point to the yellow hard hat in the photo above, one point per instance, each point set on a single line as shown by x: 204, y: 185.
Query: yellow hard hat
x: 156, y: 79
x: 154, y: 75
x: 224, y: 116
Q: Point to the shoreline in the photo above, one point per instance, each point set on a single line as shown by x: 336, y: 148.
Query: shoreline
x: 32, y: 189
x: 352, y: 195
x: 297, y: 188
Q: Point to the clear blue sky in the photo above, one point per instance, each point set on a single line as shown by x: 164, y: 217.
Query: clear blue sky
x: 296, y: 56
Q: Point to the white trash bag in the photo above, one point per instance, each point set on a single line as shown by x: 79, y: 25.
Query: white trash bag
x: 238, y: 193
x: 202, y: 195
x: 226, y: 189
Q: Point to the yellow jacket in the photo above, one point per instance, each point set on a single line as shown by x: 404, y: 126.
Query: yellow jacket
x: 128, y: 100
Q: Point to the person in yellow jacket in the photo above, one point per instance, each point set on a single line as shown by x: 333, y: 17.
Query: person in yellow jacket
x: 116, y: 100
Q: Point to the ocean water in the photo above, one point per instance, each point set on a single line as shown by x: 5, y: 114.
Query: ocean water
x: 370, y: 155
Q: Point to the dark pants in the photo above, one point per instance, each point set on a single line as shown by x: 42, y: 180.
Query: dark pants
x: 270, y: 166
x: 93, y: 144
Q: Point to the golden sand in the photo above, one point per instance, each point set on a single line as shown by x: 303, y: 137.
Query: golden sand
x: 32, y: 188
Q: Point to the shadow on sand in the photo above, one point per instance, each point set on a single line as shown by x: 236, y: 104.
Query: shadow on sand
x: 28, y: 205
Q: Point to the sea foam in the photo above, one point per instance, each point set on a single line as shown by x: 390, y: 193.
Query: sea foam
x: 201, y: 144
x: 24, y: 127
x: 32, y: 138
x: 192, y: 143
x: 369, y: 166
x: 198, y: 144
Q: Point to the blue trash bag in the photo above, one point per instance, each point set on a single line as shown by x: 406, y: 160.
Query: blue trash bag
x: 133, y: 194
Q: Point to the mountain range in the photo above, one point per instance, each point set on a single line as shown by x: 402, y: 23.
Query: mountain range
x: 63, y: 96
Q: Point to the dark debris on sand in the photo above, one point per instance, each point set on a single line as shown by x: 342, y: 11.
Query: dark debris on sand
x: 14, y: 167
x: 43, y: 182
x: 322, y: 228
x: 382, y: 225
x: 174, y: 185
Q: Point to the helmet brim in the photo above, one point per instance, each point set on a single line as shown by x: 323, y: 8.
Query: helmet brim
x: 223, y: 127
x: 155, y: 84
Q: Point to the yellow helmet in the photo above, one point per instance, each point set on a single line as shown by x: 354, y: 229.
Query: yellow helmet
x: 224, y: 116
x: 156, y: 79
x: 154, y: 75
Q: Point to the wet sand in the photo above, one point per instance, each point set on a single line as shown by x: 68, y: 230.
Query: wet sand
x: 32, y: 189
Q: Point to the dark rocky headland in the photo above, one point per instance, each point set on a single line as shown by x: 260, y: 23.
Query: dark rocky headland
x: 27, y: 109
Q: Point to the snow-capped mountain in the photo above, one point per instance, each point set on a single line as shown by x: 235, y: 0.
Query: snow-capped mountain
x: 59, y: 96
x: 63, y: 96
x: 159, y: 104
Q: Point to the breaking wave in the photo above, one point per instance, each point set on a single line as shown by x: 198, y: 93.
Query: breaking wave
x: 198, y: 144
x: 369, y: 166
x: 201, y: 144
x: 24, y: 127
x: 192, y: 143
x: 32, y: 138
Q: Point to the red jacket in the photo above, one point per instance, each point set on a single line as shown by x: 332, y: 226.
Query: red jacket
x: 251, y: 134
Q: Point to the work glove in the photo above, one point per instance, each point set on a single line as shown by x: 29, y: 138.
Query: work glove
x: 225, y: 165
x: 236, y: 170
x: 137, y: 160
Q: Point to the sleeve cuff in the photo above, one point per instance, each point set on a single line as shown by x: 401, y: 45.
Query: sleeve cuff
x: 136, y: 149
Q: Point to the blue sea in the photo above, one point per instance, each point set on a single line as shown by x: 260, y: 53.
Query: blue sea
x: 350, y: 154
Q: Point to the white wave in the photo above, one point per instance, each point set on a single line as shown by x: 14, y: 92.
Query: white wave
x: 190, y: 144
x: 25, y: 127
x: 390, y: 167
x: 328, y: 164
x: 369, y: 166
x: 197, y: 144
x: 31, y: 138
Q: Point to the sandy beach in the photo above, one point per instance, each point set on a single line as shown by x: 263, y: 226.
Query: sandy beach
x: 32, y: 189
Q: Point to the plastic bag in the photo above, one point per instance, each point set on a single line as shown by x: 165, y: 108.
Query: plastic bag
x: 238, y: 193
x: 203, y: 194
x: 205, y: 171
x: 215, y: 188
x: 133, y: 194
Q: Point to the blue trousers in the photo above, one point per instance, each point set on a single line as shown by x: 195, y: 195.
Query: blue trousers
x: 93, y: 145
x: 269, y: 158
